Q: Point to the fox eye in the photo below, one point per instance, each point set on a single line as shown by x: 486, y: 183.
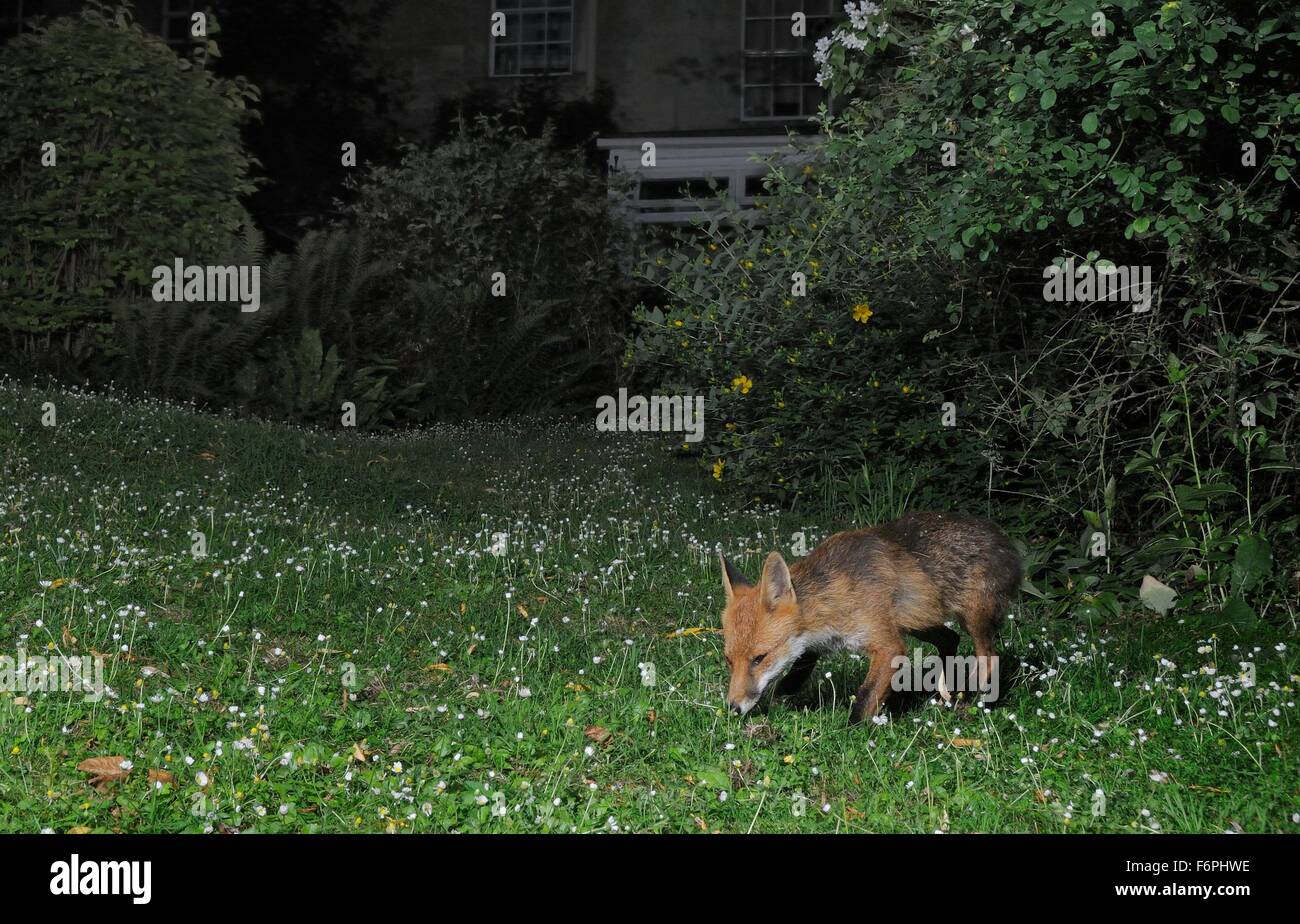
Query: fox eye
x: 758, y: 660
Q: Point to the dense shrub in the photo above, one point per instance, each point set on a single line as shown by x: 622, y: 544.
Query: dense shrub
x: 926, y: 280
x: 149, y: 168
x: 493, y: 201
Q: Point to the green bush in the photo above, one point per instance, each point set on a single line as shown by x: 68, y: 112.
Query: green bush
x: 149, y: 167
x: 1124, y: 148
x: 493, y: 201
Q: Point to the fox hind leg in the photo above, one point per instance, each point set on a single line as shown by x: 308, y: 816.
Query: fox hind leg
x: 946, y: 641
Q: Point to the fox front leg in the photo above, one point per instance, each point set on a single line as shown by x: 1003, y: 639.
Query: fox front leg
x: 878, y: 684
x: 797, y: 676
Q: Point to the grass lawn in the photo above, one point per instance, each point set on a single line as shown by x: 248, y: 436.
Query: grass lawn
x: 573, y: 682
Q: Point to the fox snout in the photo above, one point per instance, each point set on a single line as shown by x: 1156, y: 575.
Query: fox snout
x: 741, y: 697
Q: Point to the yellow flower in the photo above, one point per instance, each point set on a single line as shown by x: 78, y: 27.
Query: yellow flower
x: 862, y: 313
x: 907, y: 389
x: 743, y: 383
x: 748, y: 264
x: 717, y: 469
x: 678, y: 322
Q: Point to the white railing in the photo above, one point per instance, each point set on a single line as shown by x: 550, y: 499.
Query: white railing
x: 731, y: 161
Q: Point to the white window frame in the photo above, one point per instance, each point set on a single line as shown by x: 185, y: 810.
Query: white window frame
x: 745, y: 54
x: 551, y: 6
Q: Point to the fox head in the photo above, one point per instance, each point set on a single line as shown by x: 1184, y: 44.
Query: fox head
x: 759, y: 630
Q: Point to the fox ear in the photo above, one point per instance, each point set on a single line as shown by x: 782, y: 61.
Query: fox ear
x: 775, y: 584
x: 731, y: 577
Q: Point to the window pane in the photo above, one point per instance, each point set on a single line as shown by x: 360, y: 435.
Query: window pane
x: 558, y: 59
x: 534, y: 29
x: 813, y: 97
x: 786, y: 100
x: 787, y: 70
x: 532, y: 59
x: 758, y: 71
x: 783, y: 38
x: 758, y: 34
x: 507, y: 60
x: 514, y: 26
x: 558, y: 27
x: 758, y: 7
x: 758, y: 102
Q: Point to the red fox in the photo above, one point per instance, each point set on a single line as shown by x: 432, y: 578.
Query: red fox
x: 864, y: 589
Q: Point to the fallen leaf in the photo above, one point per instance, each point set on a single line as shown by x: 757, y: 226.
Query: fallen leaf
x: 104, y: 770
x: 161, y: 776
x: 79, y: 829
x: 596, y: 733
x: 56, y: 584
x: 359, y: 753
x: 69, y: 639
x: 440, y: 666
x: 576, y: 687
x: 522, y: 610
x: 1156, y: 596
x: 694, y: 630
x: 207, y: 456
x: 966, y: 742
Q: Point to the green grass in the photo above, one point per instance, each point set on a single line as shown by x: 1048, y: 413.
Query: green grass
x: 503, y: 692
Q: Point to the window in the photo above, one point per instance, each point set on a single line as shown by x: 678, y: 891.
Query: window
x: 538, y: 39
x: 780, y: 75
x: 176, y: 23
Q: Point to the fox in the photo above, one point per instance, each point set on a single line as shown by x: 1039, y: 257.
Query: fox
x: 864, y: 590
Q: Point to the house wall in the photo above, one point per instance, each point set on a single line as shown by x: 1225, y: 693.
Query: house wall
x: 674, y: 65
